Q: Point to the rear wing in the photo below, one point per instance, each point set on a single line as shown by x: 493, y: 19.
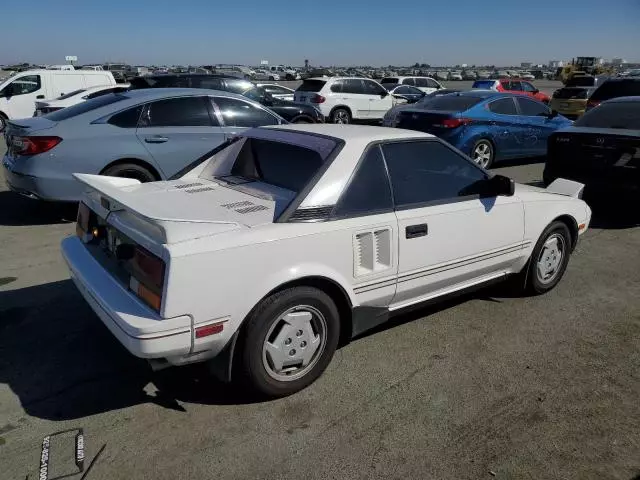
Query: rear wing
x: 562, y: 186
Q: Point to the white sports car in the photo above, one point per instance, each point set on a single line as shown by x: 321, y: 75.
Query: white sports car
x: 266, y: 252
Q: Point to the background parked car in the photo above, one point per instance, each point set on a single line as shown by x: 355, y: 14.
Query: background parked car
x: 343, y: 99
x: 285, y: 73
x: 455, y: 75
x: 405, y: 92
x: 290, y: 111
x: 601, y: 149
x: 120, y: 71
x: 277, y: 91
x: 390, y: 117
x: 145, y: 134
x: 614, y: 88
x: 512, y: 85
x: 571, y: 100
x: 18, y: 93
x: 261, y: 74
x: 238, y: 71
x: 426, y: 84
x: 77, y: 96
x: 487, y: 126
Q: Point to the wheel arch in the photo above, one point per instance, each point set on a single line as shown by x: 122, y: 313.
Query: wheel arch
x: 572, y: 225
x: 135, y: 161
x: 344, y: 107
x: 302, y: 116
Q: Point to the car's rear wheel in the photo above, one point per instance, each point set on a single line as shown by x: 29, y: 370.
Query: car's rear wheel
x: 341, y: 116
x: 549, y: 259
x: 483, y: 153
x: 302, y: 120
x: 288, y: 341
x: 130, y: 170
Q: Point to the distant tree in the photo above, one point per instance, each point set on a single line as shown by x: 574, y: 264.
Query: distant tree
x: 425, y: 65
x: 416, y: 65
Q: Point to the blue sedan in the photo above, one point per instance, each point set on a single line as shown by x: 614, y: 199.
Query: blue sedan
x: 488, y: 126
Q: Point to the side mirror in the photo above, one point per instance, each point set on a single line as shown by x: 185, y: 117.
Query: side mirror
x: 501, y: 186
x: 384, y: 94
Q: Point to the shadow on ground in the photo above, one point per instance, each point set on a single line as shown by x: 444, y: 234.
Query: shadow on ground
x: 17, y: 210
x: 62, y: 363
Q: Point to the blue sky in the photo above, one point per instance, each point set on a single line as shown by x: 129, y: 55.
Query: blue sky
x: 327, y: 32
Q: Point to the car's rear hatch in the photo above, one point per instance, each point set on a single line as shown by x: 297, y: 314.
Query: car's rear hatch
x: 428, y: 121
x: 308, y: 91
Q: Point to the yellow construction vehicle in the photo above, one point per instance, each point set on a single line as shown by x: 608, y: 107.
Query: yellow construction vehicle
x: 582, y: 66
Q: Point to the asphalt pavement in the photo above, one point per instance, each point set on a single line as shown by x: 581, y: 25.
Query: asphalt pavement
x: 486, y: 386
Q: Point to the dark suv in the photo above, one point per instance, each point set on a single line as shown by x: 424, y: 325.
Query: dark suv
x: 614, y: 88
x: 291, y: 111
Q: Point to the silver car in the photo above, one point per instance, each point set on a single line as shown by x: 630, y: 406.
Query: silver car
x: 148, y: 135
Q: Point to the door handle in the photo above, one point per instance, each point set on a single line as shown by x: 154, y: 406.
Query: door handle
x: 414, y: 231
x: 40, y: 97
x: 156, y: 139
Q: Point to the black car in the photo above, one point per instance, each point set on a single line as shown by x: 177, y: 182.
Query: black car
x: 601, y: 149
x: 291, y: 111
x: 614, y: 88
x: 409, y: 93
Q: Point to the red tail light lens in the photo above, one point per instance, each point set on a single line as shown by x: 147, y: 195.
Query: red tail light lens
x: 33, y: 145
x: 150, y: 266
x: 455, y: 122
x: 318, y: 99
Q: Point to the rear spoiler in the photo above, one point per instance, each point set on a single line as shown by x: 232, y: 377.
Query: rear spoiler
x: 562, y: 186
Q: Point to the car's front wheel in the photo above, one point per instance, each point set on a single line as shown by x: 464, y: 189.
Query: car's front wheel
x: 549, y: 259
x: 288, y: 341
x: 483, y: 153
x: 130, y: 170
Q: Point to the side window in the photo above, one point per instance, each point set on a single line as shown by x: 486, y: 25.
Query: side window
x: 506, y: 84
x: 515, y: 86
x: 432, y: 83
x: 372, y: 88
x: 527, y: 87
x: 503, y: 106
x: 404, y: 89
x: 337, y: 86
x: 26, y: 84
x: 531, y: 108
x: 422, y: 83
x: 237, y: 113
x: 207, y: 82
x: 409, y: 81
x: 178, y: 112
x: 368, y: 192
x: 353, y: 85
x: 127, y: 118
x: 429, y: 171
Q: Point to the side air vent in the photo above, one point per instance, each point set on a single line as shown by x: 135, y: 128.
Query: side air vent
x: 187, y: 185
x: 255, y: 208
x: 198, y: 190
x: 314, y: 214
x: 371, y: 252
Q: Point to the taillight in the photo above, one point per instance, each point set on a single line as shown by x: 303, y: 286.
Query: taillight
x: 592, y: 104
x: 317, y: 99
x: 455, y: 122
x: 147, y: 277
x: 33, y: 145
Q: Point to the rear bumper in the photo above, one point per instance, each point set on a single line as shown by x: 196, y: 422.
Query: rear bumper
x: 140, y: 330
x: 55, y: 188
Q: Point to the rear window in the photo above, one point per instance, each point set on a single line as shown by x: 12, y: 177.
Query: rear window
x: 581, y: 81
x: 483, y: 84
x: 277, y: 163
x: 311, y: 86
x: 390, y: 80
x: 612, y: 115
x: 85, y: 107
x: 70, y: 94
x: 616, y: 88
x: 571, y: 93
x: 453, y: 103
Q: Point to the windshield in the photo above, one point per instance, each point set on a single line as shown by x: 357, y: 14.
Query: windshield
x: 85, y: 107
x: 453, y: 102
x: 390, y: 80
x: 484, y: 84
x: 581, y: 81
x: 624, y: 115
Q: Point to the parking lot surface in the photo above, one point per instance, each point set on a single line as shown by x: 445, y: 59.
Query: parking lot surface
x: 485, y: 386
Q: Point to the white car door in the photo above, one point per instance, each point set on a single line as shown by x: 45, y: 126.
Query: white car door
x: 65, y: 82
x: 449, y: 237
x: 424, y: 85
x: 355, y: 96
x: 379, y: 99
x: 19, y: 97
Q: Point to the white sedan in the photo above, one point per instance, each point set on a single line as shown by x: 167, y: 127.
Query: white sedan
x: 77, y: 96
x: 263, y: 254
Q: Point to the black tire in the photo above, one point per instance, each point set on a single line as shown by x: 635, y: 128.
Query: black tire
x: 3, y: 122
x: 535, y: 284
x: 271, y: 79
x: 251, y: 360
x: 130, y: 170
x: 302, y: 120
x: 487, y: 148
x: 341, y: 116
